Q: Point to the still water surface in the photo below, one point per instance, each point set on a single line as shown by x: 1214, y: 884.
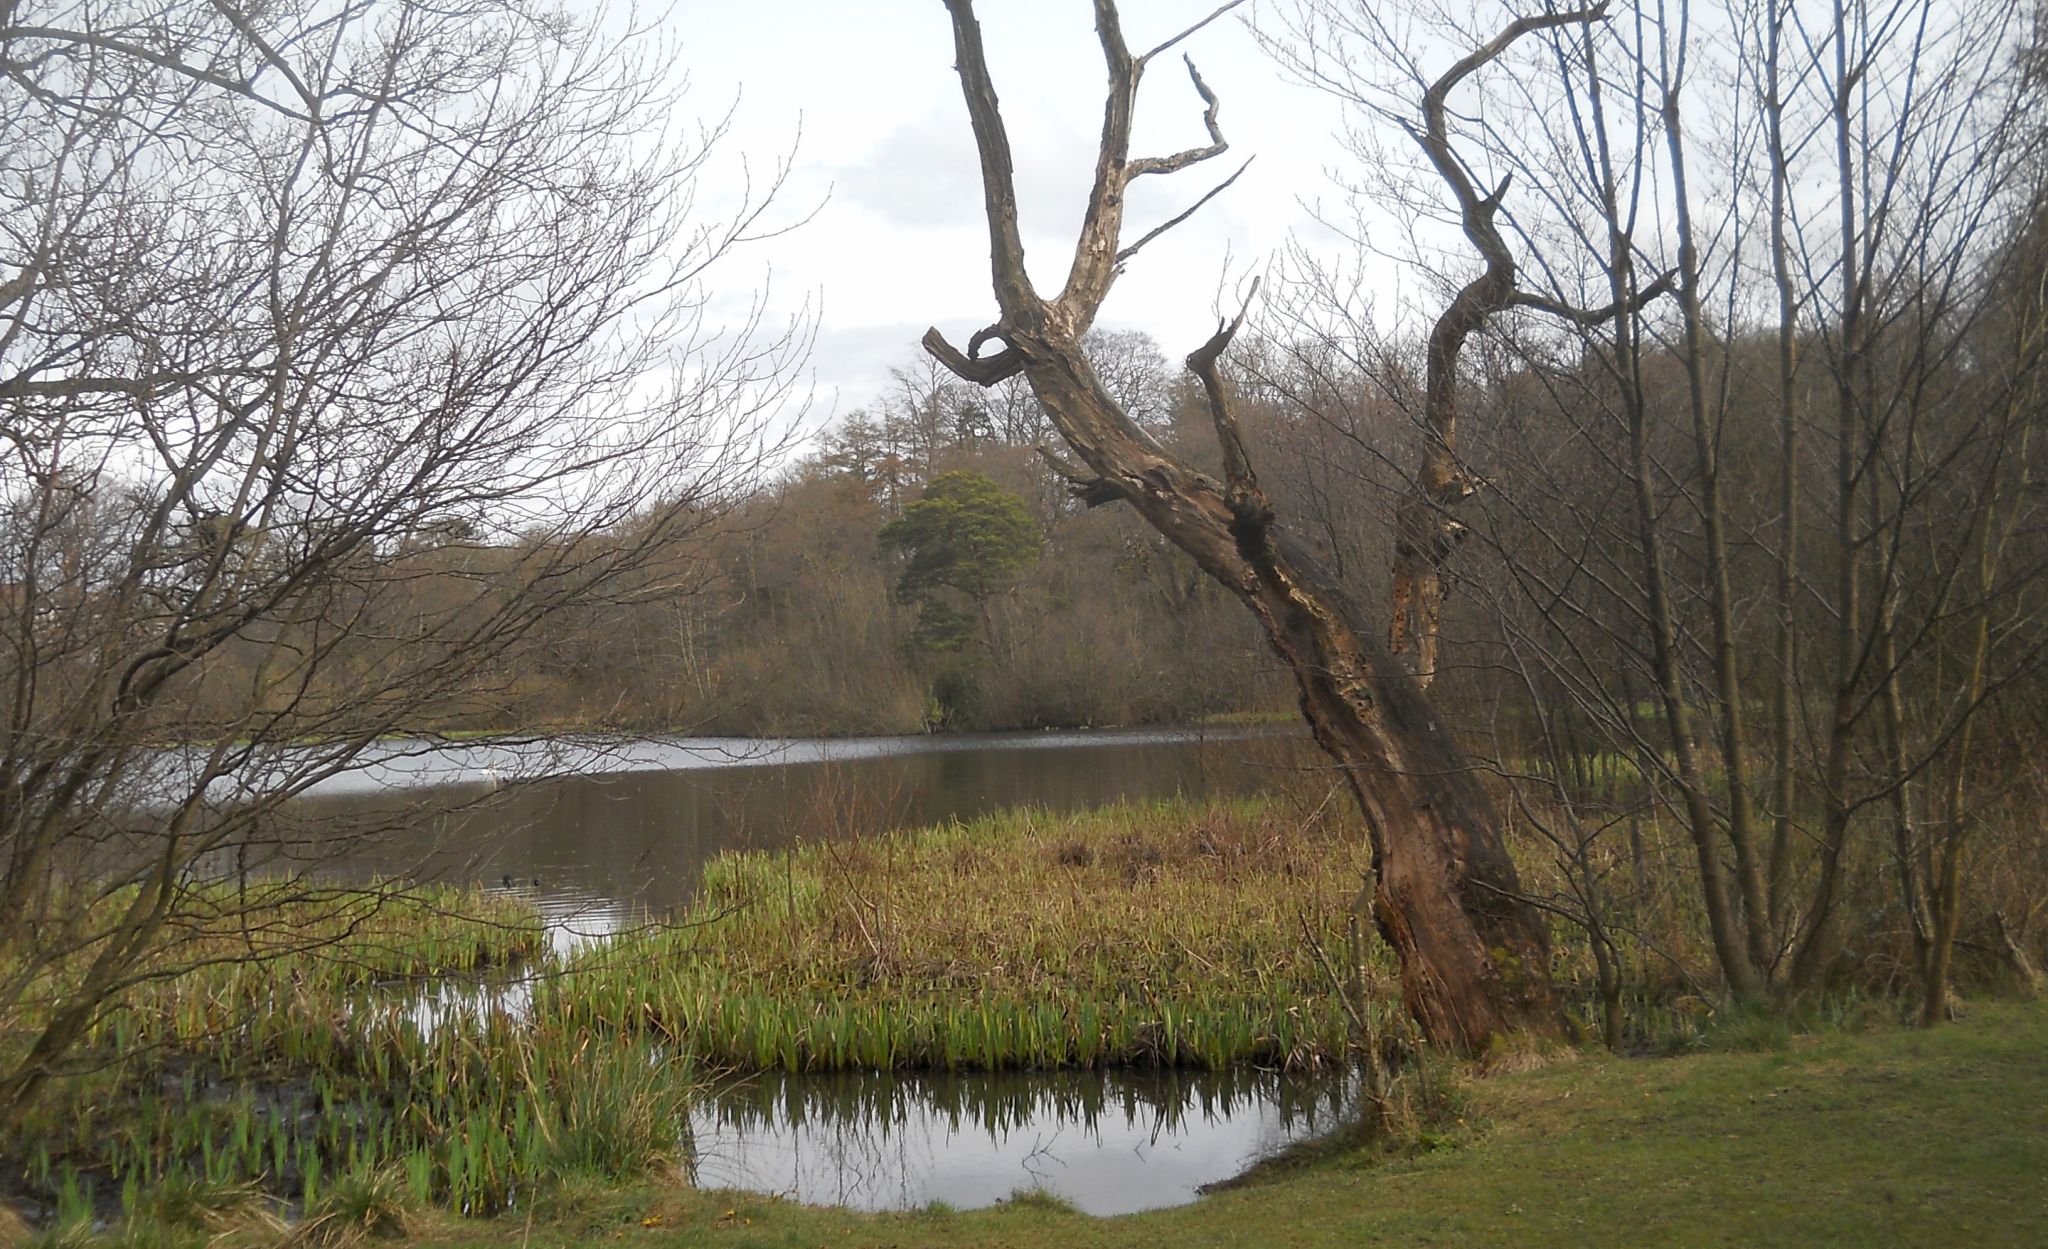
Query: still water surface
x: 603, y: 834
x: 625, y: 836
x: 1109, y: 1142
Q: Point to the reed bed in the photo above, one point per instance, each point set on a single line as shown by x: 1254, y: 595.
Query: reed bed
x: 472, y: 1118
x: 318, y: 1072
x: 1169, y: 934
x: 254, y: 986
x: 299, y: 1058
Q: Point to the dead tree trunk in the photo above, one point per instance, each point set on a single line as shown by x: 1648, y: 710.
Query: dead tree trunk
x: 1474, y: 960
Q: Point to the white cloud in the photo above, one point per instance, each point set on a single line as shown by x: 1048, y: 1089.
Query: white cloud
x: 921, y: 174
x: 901, y: 244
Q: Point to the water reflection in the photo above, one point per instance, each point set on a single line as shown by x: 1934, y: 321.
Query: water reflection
x: 1109, y: 1142
x: 572, y: 920
x: 405, y: 765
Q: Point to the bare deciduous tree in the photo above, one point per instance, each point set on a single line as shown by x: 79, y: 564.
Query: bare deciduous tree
x: 1757, y: 537
x: 307, y: 315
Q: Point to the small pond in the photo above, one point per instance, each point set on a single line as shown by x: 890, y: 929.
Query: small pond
x: 626, y: 836
x: 1108, y: 1142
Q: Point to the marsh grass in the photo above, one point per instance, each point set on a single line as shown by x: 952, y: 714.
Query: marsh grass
x: 471, y: 1117
x: 312, y: 1078
x: 75, y: 1233
x: 1169, y: 934
x: 292, y: 1057
x: 364, y: 1204
x: 193, y: 1204
x: 280, y: 1062
x: 252, y: 983
x: 1040, y: 1199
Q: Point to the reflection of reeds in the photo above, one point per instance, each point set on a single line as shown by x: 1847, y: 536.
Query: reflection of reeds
x: 1166, y: 934
x: 1159, y: 1104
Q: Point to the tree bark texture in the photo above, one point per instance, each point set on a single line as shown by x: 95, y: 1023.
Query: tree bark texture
x: 1473, y: 954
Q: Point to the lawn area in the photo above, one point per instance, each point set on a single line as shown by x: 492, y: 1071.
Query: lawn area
x: 1878, y: 1138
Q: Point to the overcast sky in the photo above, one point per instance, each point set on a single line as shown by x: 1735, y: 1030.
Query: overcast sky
x: 899, y: 243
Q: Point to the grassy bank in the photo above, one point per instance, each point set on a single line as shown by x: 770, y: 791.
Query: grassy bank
x: 1884, y: 1137
x: 1173, y: 934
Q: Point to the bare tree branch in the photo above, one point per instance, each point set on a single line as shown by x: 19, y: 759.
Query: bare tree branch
x: 1425, y: 534
x: 1190, y: 211
x: 1217, y: 145
x: 165, y: 60
x: 1219, y: 12
x: 1248, y: 503
x: 1590, y: 317
x: 1001, y: 366
x: 992, y: 141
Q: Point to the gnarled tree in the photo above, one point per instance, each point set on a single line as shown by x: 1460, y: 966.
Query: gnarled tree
x: 1473, y: 955
x: 1742, y: 537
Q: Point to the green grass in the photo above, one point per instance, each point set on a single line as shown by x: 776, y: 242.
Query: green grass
x: 1880, y: 1138
x: 1167, y: 934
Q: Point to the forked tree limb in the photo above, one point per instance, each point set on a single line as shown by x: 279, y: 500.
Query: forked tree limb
x: 1425, y: 532
x: 1214, y: 191
x: 1474, y: 959
x: 1098, y: 251
x: 1219, y: 11
x: 1248, y: 503
x: 1216, y: 146
x: 1435, y: 134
